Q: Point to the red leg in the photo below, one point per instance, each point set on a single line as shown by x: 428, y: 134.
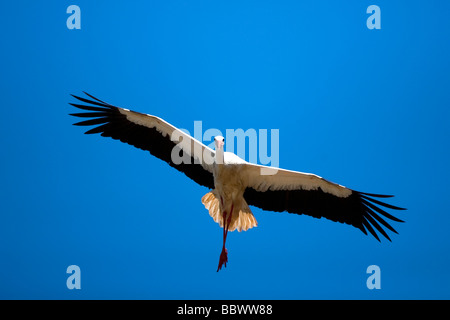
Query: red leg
x: 224, y: 254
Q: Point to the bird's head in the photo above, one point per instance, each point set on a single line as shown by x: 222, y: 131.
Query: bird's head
x: 219, y: 142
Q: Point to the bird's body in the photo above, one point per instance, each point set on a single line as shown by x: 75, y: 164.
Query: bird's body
x: 226, y: 203
x: 236, y: 183
x: 230, y: 185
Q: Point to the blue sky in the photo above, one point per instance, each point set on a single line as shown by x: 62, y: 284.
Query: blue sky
x: 365, y: 108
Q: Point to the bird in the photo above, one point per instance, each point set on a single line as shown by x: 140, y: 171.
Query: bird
x: 234, y: 183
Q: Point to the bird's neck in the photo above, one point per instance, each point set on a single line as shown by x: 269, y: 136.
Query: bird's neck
x: 219, y: 156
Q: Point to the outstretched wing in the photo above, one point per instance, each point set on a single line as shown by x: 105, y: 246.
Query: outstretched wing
x: 303, y: 193
x: 150, y: 133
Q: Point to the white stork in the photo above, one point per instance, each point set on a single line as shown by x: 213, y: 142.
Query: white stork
x: 236, y: 183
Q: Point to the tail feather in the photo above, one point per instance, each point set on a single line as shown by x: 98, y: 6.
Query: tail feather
x: 242, y: 218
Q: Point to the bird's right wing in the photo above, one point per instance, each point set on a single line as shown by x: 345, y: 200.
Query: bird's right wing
x: 147, y: 132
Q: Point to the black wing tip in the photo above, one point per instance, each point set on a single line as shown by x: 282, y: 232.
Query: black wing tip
x: 374, y: 216
x: 93, y: 101
x: 99, y: 113
x: 77, y: 97
x: 90, y: 105
x: 366, y: 226
x: 370, y: 229
x: 370, y: 196
x: 97, y: 99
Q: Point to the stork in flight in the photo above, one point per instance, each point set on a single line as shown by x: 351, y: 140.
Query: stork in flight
x: 236, y: 183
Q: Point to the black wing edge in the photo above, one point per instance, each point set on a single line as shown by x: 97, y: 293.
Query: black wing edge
x: 371, y: 209
x: 109, y: 122
x: 361, y: 210
x: 100, y: 112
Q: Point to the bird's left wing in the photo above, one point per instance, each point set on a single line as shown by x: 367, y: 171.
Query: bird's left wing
x: 280, y: 190
x: 147, y: 132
